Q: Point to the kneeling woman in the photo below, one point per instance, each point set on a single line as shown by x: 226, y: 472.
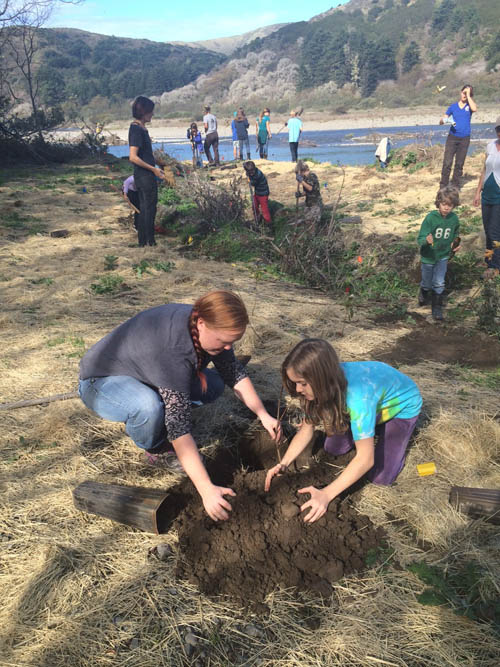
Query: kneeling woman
x: 148, y: 371
x: 354, y: 401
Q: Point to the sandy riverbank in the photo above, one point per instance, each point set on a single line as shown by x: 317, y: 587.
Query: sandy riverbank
x: 313, y: 121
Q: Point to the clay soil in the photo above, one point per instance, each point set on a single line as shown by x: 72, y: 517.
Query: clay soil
x: 266, y: 545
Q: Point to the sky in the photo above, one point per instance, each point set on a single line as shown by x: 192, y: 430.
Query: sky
x: 170, y: 20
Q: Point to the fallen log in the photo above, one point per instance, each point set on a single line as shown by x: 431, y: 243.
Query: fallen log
x: 477, y: 503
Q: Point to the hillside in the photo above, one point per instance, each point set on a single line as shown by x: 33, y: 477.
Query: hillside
x: 393, y: 52
x: 78, y: 69
x: 226, y: 45
x: 366, y: 53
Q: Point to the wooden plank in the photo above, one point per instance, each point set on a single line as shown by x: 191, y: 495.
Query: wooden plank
x: 132, y: 505
x: 477, y: 503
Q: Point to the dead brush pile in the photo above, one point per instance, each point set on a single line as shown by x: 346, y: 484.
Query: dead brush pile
x: 317, y: 257
x: 216, y: 204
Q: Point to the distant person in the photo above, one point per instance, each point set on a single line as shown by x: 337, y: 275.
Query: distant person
x: 263, y: 131
x: 309, y: 182
x: 194, y: 136
x: 234, y: 137
x: 242, y: 125
x: 211, y: 137
x: 294, y: 131
x: 382, y: 152
x: 145, y: 171
x: 261, y: 190
x: 438, y: 239
x: 458, y: 115
x: 488, y: 193
x: 366, y: 405
x: 132, y: 196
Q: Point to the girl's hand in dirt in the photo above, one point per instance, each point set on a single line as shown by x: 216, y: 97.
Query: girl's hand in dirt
x: 429, y: 238
x: 215, y: 504
x: 278, y: 469
x: 272, y: 425
x: 317, y: 504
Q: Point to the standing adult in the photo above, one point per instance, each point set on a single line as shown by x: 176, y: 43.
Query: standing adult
x: 459, y: 115
x: 145, y: 171
x: 294, y: 131
x: 242, y: 124
x: 263, y: 131
x: 234, y: 136
x: 149, y: 371
x: 488, y: 192
x: 211, y: 137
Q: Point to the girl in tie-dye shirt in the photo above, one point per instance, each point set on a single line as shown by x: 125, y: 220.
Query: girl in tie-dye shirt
x: 354, y: 402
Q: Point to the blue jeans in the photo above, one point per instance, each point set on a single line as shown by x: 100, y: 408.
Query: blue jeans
x: 244, y: 143
x: 120, y: 398
x: 491, y: 222
x: 433, y: 275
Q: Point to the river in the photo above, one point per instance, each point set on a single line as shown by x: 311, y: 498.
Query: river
x: 346, y: 147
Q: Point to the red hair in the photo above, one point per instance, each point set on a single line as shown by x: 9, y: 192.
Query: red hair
x: 220, y: 310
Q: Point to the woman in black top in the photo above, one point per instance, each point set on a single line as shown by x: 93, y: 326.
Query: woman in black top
x: 145, y: 172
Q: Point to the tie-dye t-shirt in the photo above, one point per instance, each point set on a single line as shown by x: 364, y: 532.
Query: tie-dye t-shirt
x: 377, y: 392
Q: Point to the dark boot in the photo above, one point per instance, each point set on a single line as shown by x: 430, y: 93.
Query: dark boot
x: 437, y: 306
x: 423, y: 297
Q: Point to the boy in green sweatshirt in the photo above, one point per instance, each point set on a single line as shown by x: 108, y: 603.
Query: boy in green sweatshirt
x: 436, y: 241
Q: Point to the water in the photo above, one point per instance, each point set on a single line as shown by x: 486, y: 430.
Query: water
x: 346, y: 147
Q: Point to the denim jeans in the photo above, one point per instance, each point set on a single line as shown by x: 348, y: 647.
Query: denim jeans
x: 294, y: 147
x: 120, y: 398
x: 433, y: 275
x: 244, y: 143
x: 491, y: 222
x: 212, y: 141
x: 263, y: 148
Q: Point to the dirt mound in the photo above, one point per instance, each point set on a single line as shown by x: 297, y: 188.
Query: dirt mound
x: 266, y: 543
x: 437, y: 343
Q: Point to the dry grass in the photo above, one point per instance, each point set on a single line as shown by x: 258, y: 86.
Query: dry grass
x: 78, y: 590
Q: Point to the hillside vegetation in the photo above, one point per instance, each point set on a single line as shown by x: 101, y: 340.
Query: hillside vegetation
x: 392, y: 51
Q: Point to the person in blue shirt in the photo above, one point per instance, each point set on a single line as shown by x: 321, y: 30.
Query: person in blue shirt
x: 458, y: 115
x: 354, y: 402
x: 488, y: 193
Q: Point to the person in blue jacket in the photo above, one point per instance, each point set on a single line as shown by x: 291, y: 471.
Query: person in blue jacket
x: 458, y: 115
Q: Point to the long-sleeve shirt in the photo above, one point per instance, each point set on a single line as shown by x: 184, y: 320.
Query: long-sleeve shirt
x: 444, y: 231
x: 259, y: 182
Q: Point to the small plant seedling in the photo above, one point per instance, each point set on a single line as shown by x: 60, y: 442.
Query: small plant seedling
x: 107, y: 284
x: 42, y: 281
x: 110, y: 262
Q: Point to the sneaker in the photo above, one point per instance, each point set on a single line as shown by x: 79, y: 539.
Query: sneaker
x: 167, y: 460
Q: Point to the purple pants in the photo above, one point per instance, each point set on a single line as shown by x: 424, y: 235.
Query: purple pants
x: 390, y: 450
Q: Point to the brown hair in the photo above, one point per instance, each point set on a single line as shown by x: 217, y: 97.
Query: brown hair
x: 448, y: 194
x: 142, y: 106
x: 316, y: 361
x: 220, y: 309
x: 471, y: 89
x: 241, y: 114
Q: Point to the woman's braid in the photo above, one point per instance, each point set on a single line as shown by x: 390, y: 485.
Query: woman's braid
x: 193, y: 330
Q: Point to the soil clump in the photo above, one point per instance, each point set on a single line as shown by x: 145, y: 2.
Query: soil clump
x: 266, y: 544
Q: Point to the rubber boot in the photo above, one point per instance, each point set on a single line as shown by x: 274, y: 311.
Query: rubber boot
x: 423, y: 297
x: 437, y: 306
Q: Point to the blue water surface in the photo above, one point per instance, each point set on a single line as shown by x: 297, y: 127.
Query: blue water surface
x: 345, y: 147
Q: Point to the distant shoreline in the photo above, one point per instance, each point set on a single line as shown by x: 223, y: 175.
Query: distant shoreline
x: 313, y: 121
